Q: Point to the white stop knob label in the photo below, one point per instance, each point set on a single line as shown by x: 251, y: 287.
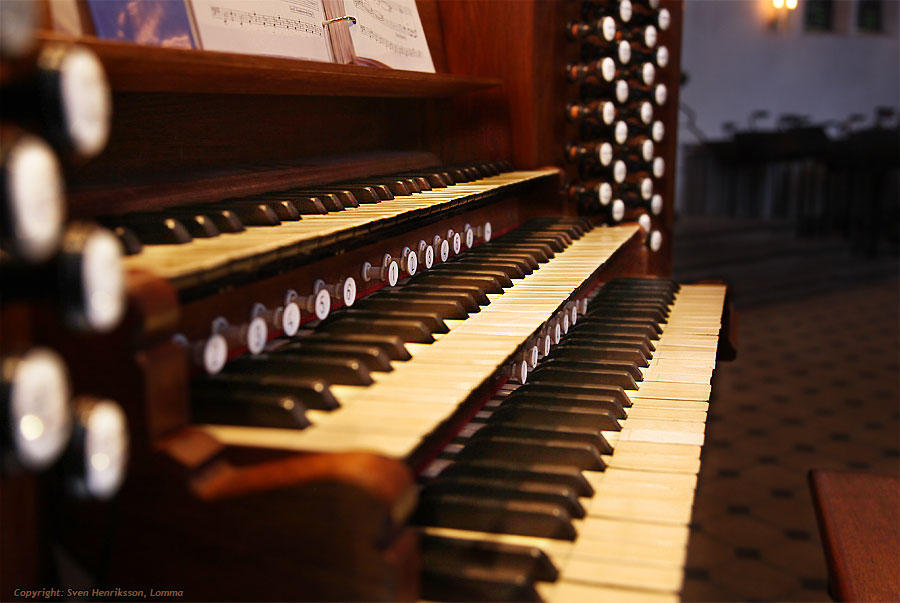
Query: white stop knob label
x: 547, y: 343
x: 215, y: 353
x: 457, y: 243
x: 257, y: 335
x: 487, y: 232
x: 445, y: 250
x: 349, y: 292
x: 290, y: 319
x: 470, y: 238
x: 412, y: 264
x: 393, y: 273
x: 429, y: 257
x: 322, y: 304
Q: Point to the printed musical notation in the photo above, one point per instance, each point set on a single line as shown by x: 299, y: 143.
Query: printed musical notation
x: 394, y: 48
x: 390, y: 31
x: 242, y: 17
x: 291, y: 28
x: 382, y: 10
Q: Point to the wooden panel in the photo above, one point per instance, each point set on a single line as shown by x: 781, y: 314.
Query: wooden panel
x: 859, y: 518
x: 499, y: 40
x: 135, y: 68
x: 661, y: 262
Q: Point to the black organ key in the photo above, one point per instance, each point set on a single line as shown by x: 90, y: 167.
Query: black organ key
x: 463, y: 580
x: 556, y: 415
x: 606, y: 319
x: 558, y: 239
x: 545, y: 520
x: 616, y: 310
x: 506, y: 489
x: 601, y: 377
x: 454, y: 269
x: 434, y: 179
x: 154, y: 229
x: 614, y: 328
x: 600, y: 389
x: 606, y: 303
x: 342, y: 370
x: 471, y: 297
x: 251, y: 213
x: 543, y: 472
x: 278, y: 211
x: 610, y: 352
x: 431, y: 321
x: 131, y: 244
x: 644, y: 344
x: 547, y: 450
x: 540, y: 254
x: 372, y: 356
x: 511, y: 269
x: 396, y: 187
x: 224, y: 219
x: 391, y: 345
x: 198, y: 225
x: 486, y: 283
x: 584, y: 400
x: 503, y: 427
x: 494, y: 554
x: 345, y: 198
x: 443, y: 307
x: 311, y: 392
x: 593, y: 364
x: 407, y: 330
x: 304, y: 203
x: 516, y: 266
x: 257, y: 408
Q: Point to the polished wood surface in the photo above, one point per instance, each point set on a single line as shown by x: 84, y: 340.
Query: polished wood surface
x: 135, y: 68
x: 859, y: 519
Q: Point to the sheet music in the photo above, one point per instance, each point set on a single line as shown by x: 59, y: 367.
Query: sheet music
x: 290, y: 28
x: 390, y: 31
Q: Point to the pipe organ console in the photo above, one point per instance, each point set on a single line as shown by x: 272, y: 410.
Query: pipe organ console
x: 305, y: 331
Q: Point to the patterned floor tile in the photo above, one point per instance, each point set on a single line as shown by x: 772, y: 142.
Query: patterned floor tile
x: 816, y: 385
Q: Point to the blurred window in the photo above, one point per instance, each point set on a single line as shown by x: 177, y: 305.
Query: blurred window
x: 818, y: 15
x: 869, y: 16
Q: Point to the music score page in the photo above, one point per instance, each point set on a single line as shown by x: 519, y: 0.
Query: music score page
x: 390, y: 31
x: 288, y: 28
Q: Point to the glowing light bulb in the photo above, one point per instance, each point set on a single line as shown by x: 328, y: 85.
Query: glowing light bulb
x: 779, y: 4
x: 790, y: 4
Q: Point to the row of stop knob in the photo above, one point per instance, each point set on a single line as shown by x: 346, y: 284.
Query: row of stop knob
x: 540, y: 344
x: 212, y: 353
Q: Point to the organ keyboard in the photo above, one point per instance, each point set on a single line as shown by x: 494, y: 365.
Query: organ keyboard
x: 352, y: 361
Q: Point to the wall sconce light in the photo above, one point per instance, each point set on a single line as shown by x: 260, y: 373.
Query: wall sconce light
x: 778, y: 15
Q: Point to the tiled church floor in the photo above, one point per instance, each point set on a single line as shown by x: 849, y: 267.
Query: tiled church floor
x: 816, y: 385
